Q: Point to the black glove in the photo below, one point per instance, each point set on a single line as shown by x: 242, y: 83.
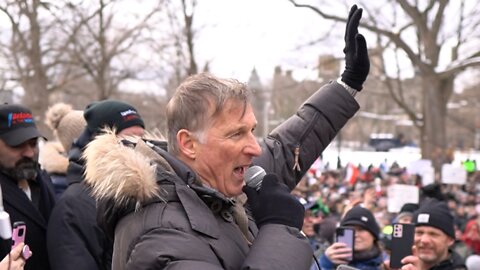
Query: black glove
x: 357, y: 64
x: 273, y: 204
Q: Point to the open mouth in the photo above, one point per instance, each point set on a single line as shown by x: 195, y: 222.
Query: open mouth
x: 240, y: 171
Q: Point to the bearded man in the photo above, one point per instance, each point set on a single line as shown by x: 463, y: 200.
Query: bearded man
x: 27, y: 191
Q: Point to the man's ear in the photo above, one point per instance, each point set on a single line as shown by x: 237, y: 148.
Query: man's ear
x: 186, y: 144
x: 450, y: 241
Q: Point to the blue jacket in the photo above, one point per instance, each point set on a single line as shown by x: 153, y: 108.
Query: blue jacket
x: 374, y: 263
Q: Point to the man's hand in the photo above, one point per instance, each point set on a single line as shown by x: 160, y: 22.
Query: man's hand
x: 411, y: 263
x: 357, y: 64
x: 273, y: 204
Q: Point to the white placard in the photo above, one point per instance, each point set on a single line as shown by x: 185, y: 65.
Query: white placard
x: 398, y: 195
x: 452, y: 174
x: 419, y: 166
x: 428, y: 176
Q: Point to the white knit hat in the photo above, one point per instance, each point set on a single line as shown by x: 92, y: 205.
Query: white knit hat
x: 67, y: 124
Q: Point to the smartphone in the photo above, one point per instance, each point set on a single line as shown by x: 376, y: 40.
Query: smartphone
x: 18, y: 233
x: 346, y: 235
x: 402, y: 242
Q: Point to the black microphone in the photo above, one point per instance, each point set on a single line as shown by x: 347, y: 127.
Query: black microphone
x: 254, y: 176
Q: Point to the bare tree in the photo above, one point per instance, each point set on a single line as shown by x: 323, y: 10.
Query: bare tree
x: 103, y: 45
x: 32, y: 53
x: 422, y: 31
x: 179, y: 41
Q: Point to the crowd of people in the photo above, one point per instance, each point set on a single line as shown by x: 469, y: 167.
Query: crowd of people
x: 329, y: 195
x: 106, y: 194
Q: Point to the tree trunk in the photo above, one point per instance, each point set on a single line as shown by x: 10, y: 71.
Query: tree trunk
x: 36, y: 98
x: 35, y: 85
x: 436, y: 93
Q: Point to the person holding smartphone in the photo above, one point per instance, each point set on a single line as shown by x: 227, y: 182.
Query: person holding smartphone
x: 16, y: 259
x: 366, y: 253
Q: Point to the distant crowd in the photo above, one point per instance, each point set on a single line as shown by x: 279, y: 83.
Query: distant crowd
x: 329, y: 194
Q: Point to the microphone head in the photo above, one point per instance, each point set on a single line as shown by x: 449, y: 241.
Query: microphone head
x: 253, y: 177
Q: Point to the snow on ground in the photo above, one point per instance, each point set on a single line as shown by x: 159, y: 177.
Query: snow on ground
x: 403, y: 156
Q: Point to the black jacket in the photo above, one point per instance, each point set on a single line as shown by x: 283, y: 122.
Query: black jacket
x: 188, y: 226
x: 74, y: 240
x: 20, y: 208
x: 454, y: 262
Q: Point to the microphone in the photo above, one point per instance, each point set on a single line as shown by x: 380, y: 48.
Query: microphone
x: 5, y: 225
x: 254, y: 176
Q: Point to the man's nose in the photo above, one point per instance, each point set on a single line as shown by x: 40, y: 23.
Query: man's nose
x: 253, y: 148
x: 28, y: 150
x: 424, y: 238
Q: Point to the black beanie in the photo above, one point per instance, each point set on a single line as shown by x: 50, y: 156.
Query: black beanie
x: 362, y: 217
x: 409, y: 208
x: 435, y: 214
x: 112, y: 114
x: 433, y: 191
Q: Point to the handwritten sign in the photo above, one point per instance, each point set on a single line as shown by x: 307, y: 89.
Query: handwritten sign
x: 452, y: 174
x: 398, y: 195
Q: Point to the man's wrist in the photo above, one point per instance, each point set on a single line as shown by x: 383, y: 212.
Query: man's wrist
x: 349, y: 89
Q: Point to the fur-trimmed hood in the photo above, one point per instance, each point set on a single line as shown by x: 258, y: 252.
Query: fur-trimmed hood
x: 122, y: 170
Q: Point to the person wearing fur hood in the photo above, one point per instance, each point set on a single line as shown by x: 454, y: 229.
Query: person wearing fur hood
x: 185, y: 208
x: 67, y: 125
x: 74, y: 240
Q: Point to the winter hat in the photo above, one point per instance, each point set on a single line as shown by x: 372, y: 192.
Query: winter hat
x: 17, y: 125
x: 433, y: 191
x: 67, y: 124
x: 407, y: 210
x: 112, y: 114
x: 435, y: 214
x: 362, y: 217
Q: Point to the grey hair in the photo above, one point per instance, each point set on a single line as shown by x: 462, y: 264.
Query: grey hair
x: 193, y: 99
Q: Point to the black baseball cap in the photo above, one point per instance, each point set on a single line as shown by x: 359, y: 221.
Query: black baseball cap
x: 17, y: 125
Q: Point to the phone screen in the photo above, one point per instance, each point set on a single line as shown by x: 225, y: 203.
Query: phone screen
x: 18, y: 233
x: 346, y: 235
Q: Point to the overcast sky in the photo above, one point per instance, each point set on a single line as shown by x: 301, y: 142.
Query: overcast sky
x: 240, y: 35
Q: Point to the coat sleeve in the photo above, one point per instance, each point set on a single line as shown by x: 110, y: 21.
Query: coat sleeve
x: 325, y: 263
x: 73, y: 239
x: 292, y: 147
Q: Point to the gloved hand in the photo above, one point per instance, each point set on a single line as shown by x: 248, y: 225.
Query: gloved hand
x: 273, y: 204
x: 357, y: 64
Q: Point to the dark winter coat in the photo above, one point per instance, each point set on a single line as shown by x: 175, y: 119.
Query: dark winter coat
x: 454, y: 262
x: 18, y: 205
x: 75, y: 241
x: 162, y: 218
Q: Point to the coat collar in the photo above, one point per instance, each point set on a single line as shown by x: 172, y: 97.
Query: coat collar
x: 15, y: 198
x: 199, y: 202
